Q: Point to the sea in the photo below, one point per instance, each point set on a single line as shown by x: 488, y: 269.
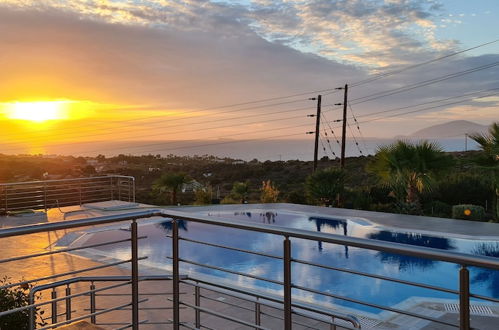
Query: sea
x: 246, y: 150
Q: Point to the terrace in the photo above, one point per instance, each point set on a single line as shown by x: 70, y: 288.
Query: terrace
x: 91, y: 254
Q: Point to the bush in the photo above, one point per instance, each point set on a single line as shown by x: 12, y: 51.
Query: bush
x: 468, y: 212
x: 296, y: 197
x: 15, y: 297
x: 438, y: 209
x: 464, y: 189
x: 269, y: 193
x: 203, y: 196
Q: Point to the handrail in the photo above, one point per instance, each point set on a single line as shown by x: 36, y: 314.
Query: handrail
x: 366, y: 243
x: 45, y: 194
x: 66, y: 180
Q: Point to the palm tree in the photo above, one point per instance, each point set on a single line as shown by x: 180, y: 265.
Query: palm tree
x: 408, y: 168
x: 325, y: 185
x: 489, y: 160
x: 170, y: 182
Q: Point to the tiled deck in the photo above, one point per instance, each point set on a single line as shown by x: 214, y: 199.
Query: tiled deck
x: 65, y: 262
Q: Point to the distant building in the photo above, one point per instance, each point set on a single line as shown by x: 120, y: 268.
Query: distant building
x: 191, y: 186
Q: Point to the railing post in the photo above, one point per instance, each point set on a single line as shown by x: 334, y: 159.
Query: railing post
x: 32, y: 321
x: 197, y: 298
x: 53, y: 295
x: 258, y: 320
x: 45, y: 196
x: 93, y: 318
x: 287, y: 284
x: 464, y: 298
x: 119, y: 188
x: 79, y: 190
x: 135, y: 276
x: 111, y: 187
x: 176, y: 278
x: 6, y: 201
x: 133, y: 188
x: 68, y: 303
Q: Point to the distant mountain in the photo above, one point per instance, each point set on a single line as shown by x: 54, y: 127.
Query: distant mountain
x: 454, y: 128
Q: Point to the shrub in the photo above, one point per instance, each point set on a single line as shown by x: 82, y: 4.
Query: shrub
x: 468, y: 212
x: 269, y: 192
x: 203, y: 196
x: 464, y: 189
x: 438, y: 209
x: 296, y: 197
x: 15, y: 297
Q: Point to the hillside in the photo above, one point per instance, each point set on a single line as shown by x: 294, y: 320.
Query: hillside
x: 451, y: 129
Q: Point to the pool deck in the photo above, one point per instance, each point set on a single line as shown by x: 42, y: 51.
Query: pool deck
x: 460, y: 228
x: 59, y: 263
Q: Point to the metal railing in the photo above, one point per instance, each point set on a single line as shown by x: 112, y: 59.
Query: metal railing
x: 65, y: 192
x: 287, y: 303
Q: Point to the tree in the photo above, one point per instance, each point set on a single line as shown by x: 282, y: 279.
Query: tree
x: 489, y: 160
x: 240, y: 191
x: 170, y: 182
x: 409, y: 169
x: 324, y: 186
x: 269, y: 192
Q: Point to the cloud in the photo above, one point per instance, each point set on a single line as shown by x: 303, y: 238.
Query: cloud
x: 174, y: 56
x: 388, y: 31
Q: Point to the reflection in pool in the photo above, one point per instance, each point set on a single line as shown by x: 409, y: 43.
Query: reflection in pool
x: 157, y: 246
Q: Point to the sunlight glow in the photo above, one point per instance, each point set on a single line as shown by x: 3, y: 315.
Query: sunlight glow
x: 37, y: 111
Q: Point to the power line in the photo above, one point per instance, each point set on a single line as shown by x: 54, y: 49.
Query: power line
x: 203, y: 122
x: 383, y: 75
x: 354, y: 138
x: 378, y: 95
x: 429, y: 102
x: 358, y: 127
x: 329, y: 144
x: 169, y: 120
x: 199, y: 145
x: 424, y: 109
x: 174, y: 132
x: 323, y: 147
x: 331, y: 129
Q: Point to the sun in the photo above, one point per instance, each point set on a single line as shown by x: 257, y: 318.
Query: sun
x: 37, y: 111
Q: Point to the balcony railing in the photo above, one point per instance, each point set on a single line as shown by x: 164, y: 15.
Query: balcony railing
x: 175, y: 282
x: 56, y: 193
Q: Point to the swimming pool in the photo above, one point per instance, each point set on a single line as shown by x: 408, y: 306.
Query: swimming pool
x: 157, y: 246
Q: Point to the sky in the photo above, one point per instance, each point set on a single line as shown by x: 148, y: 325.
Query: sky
x: 151, y: 70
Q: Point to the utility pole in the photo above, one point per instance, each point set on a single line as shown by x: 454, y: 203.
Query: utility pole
x: 344, y: 131
x: 465, y: 141
x: 317, y: 128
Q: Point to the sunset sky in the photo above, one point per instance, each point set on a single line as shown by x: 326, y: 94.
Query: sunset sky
x: 151, y: 70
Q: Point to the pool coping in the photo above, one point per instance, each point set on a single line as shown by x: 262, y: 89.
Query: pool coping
x: 465, y: 229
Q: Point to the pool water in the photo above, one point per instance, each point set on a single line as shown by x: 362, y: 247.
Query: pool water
x: 157, y: 246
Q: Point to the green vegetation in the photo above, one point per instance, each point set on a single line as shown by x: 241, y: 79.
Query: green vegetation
x: 324, y: 186
x: 15, y: 297
x: 170, y: 182
x: 409, y: 170
x: 468, y: 212
x: 488, y: 160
